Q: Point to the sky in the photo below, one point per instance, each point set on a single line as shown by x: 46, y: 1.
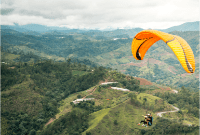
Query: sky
x: 100, y: 14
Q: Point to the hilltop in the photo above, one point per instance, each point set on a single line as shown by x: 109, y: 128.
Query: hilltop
x: 121, y: 111
x: 44, y: 90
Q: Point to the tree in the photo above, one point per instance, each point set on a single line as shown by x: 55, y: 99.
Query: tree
x: 144, y: 102
x: 115, y: 122
x: 143, y: 131
x: 156, y: 101
x: 68, y: 62
x: 99, y: 89
x: 32, y: 132
x: 132, y: 95
x: 4, y: 126
x: 88, y: 133
x: 145, y: 99
x: 79, y: 96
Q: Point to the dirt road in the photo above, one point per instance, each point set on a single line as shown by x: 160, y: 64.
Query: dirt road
x: 160, y: 113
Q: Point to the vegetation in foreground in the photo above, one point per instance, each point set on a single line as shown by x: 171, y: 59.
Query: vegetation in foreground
x: 37, y: 94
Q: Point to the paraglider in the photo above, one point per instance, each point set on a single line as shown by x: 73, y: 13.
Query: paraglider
x: 148, y: 120
x: 146, y: 38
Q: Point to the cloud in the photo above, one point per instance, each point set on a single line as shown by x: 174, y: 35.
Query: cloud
x: 100, y: 13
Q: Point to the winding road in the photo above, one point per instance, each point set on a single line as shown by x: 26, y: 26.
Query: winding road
x: 160, y: 113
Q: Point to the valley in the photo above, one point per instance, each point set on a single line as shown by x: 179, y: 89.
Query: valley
x: 42, y: 73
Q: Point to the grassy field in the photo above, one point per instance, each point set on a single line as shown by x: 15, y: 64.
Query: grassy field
x: 95, y: 118
x: 151, y: 101
x: 119, y: 115
x: 115, y: 97
x: 65, y: 104
x: 150, y: 98
x: 121, y: 119
x: 75, y: 72
x: 120, y: 112
x: 9, y: 56
x: 27, y: 49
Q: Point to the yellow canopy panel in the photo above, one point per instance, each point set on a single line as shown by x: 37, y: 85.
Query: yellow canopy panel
x: 146, y: 38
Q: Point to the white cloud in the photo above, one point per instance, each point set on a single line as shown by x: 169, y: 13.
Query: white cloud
x: 100, y: 13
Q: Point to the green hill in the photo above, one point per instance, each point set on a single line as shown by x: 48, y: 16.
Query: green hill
x: 30, y: 92
x: 44, y: 90
x: 121, y: 114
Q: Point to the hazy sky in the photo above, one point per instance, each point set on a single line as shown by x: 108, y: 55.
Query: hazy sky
x: 100, y: 14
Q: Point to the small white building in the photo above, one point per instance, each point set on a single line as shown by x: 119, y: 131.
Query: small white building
x: 80, y: 100
x: 115, y: 38
x: 108, y: 83
x: 122, y: 89
x: 4, y: 63
x: 175, y: 91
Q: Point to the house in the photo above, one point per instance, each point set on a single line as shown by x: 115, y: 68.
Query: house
x: 80, y: 100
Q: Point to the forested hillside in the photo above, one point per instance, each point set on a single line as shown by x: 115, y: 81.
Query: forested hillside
x: 31, y: 92
x: 160, y: 65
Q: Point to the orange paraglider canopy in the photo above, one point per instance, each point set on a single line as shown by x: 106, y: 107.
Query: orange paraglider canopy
x: 146, y: 38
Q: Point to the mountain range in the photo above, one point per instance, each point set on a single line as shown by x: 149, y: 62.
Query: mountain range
x: 188, y: 26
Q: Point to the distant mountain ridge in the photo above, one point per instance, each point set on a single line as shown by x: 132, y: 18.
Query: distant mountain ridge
x: 188, y: 26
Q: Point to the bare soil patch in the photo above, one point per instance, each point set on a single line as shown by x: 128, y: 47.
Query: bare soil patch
x: 143, y: 81
x: 197, y: 76
x: 11, y: 67
x: 185, y: 74
x: 50, y: 121
x: 172, y: 69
